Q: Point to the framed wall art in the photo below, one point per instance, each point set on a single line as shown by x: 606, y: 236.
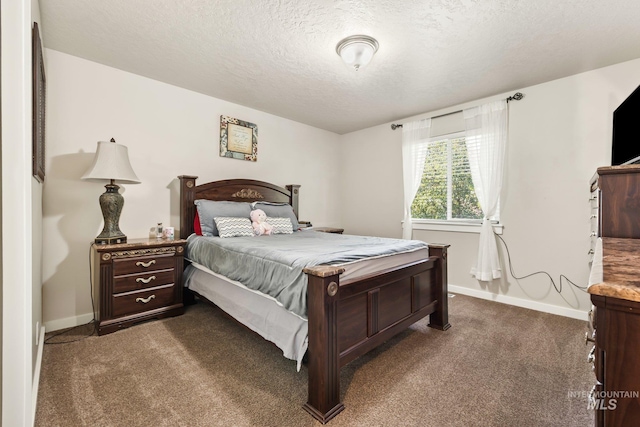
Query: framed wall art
x: 39, y: 98
x: 238, y: 139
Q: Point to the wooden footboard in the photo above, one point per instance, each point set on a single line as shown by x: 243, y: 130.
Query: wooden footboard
x: 348, y: 319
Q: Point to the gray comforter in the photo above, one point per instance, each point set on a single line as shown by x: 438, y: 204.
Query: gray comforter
x: 273, y: 264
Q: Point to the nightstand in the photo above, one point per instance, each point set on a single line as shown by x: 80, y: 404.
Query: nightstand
x: 136, y: 281
x: 329, y: 230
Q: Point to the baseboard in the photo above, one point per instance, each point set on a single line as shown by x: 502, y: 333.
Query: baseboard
x: 68, y: 322
x: 36, y: 375
x: 519, y: 302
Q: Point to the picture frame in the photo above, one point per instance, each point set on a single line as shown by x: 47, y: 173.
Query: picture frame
x: 238, y: 139
x: 38, y: 105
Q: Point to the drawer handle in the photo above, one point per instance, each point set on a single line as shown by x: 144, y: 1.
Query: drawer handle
x: 145, y: 281
x: 591, y: 358
x: 145, y: 300
x: 588, y: 339
x: 591, y: 399
x: 145, y: 264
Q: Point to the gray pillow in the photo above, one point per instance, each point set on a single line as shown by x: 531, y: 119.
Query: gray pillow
x: 278, y: 210
x: 209, y: 209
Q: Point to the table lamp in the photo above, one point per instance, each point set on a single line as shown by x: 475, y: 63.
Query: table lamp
x: 111, y: 163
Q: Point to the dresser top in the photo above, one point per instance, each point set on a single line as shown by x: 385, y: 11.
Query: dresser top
x: 608, y: 170
x: 141, y: 243
x: 621, y: 269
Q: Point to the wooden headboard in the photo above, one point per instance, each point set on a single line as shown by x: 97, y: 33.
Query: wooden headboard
x: 235, y: 190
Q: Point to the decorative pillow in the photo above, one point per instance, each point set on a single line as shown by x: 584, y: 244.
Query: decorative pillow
x: 209, y: 209
x: 280, y: 225
x: 196, y: 224
x: 278, y: 210
x: 233, y: 227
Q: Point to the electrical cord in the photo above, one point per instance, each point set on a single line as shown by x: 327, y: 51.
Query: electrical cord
x: 557, y: 287
x: 93, y: 308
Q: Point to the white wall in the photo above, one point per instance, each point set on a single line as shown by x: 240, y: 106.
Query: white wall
x: 17, y: 186
x: 558, y: 135
x: 169, y: 132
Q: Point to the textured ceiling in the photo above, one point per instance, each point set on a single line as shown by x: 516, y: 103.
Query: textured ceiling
x: 279, y: 56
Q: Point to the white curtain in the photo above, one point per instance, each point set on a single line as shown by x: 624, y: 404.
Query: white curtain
x: 415, y: 140
x: 486, y: 140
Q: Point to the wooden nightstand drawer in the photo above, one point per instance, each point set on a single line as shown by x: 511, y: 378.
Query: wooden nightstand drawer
x: 136, y: 302
x: 142, y: 264
x: 141, y: 281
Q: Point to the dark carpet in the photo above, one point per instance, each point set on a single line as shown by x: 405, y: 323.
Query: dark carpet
x: 497, y: 366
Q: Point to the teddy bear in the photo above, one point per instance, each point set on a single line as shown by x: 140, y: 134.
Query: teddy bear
x: 259, y: 222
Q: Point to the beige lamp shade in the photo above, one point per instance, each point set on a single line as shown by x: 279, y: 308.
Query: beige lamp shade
x: 111, y: 163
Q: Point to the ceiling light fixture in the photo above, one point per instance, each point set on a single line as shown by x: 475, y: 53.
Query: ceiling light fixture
x: 357, y: 51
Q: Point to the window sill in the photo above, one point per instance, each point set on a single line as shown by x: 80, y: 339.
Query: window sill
x: 453, y: 226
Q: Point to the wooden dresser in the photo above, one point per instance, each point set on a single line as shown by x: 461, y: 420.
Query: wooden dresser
x: 616, y: 193
x: 615, y: 318
x: 137, y: 281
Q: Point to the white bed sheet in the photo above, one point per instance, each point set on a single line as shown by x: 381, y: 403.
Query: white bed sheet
x: 257, y: 311
x: 265, y: 315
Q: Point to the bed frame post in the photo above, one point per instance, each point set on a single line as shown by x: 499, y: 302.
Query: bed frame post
x: 323, y: 293
x: 187, y: 208
x: 440, y: 318
x: 294, y: 189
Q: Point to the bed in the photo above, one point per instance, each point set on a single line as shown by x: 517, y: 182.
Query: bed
x: 345, y: 316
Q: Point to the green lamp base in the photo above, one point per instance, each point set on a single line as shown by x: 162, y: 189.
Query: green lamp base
x: 111, y: 203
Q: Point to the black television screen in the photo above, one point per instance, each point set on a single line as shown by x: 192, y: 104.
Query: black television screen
x: 626, y: 133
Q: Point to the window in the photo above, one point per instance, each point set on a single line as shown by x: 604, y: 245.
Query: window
x: 446, y: 191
